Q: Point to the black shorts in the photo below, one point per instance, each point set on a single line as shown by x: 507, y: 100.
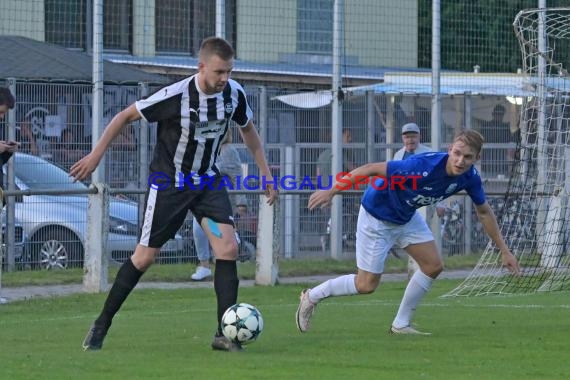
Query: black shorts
x: 166, y: 209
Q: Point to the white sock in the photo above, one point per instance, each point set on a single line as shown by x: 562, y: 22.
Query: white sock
x: 340, y: 286
x: 417, y: 288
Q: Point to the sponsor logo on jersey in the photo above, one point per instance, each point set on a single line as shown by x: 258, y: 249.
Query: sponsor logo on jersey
x: 422, y: 200
x: 451, y: 188
x: 229, y: 107
x: 207, y: 129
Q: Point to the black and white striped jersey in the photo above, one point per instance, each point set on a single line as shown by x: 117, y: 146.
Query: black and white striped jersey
x: 191, y: 126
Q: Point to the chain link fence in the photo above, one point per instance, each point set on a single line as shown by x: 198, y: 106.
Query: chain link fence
x: 282, y: 48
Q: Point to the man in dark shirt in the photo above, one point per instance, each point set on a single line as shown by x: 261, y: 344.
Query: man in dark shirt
x: 496, y: 131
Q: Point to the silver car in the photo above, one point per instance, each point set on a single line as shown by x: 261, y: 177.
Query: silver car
x: 56, y: 224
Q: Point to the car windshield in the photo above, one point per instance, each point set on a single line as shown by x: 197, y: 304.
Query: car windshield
x: 37, y: 173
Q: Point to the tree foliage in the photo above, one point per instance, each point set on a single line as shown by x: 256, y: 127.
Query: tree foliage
x: 474, y: 33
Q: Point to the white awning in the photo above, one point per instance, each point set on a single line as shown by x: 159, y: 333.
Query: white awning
x: 513, y: 85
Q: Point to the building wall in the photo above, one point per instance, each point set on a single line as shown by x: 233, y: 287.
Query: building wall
x: 264, y: 32
x: 382, y: 32
x: 22, y: 18
x: 377, y: 32
x: 144, y: 28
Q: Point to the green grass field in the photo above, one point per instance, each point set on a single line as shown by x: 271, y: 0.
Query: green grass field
x: 166, y: 334
x: 182, y: 272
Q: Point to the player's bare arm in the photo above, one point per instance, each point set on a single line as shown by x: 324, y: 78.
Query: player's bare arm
x: 489, y: 221
x: 323, y: 198
x: 251, y: 139
x: 85, y: 166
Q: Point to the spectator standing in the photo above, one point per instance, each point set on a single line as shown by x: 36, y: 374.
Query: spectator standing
x: 325, y: 177
x: 495, y: 161
x: 67, y: 151
x: 122, y: 159
x: 411, y: 139
x: 324, y: 167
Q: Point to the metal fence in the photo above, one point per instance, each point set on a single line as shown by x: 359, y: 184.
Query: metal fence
x: 281, y: 47
x: 52, y: 120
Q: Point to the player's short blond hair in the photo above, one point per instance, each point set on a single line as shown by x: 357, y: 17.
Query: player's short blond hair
x: 216, y: 46
x: 470, y: 138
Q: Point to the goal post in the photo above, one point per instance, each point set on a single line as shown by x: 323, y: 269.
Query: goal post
x: 535, y: 217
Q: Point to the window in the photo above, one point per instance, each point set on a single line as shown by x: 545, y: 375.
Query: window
x: 181, y: 25
x: 117, y: 24
x: 67, y: 25
x: 315, y: 26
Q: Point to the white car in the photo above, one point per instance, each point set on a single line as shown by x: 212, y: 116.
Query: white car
x: 55, y: 225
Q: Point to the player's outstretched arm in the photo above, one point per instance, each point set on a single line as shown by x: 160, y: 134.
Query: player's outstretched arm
x: 251, y: 139
x: 322, y: 198
x: 489, y: 221
x: 85, y: 166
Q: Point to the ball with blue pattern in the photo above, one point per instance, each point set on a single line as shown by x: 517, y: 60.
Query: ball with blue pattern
x: 242, y: 323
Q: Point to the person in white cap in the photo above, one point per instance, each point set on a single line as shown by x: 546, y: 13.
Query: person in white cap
x: 411, y: 140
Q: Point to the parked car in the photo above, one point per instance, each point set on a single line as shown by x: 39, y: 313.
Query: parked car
x: 56, y: 225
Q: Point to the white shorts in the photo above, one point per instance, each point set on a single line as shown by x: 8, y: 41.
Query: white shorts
x: 375, y: 238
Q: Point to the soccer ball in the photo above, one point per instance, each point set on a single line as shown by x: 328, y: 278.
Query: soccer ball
x: 242, y: 323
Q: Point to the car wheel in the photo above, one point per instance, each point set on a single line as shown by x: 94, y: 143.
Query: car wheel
x: 57, y: 250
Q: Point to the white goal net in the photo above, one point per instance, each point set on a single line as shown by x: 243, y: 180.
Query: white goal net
x: 534, y: 215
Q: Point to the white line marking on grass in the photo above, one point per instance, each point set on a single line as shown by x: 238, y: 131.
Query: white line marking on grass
x: 128, y: 313
x: 435, y: 304
x: 91, y: 317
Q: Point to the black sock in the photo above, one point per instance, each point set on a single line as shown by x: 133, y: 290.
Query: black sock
x: 127, y: 278
x: 226, y: 286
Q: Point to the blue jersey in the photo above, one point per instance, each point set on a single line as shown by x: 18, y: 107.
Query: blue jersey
x: 425, y: 182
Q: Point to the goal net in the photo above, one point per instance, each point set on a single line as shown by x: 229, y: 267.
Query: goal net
x: 534, y: 213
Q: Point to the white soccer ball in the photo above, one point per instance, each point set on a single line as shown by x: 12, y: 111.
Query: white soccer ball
x: 242, y: 323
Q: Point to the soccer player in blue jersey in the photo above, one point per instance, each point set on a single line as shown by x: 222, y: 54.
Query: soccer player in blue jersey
x: 388, y: 217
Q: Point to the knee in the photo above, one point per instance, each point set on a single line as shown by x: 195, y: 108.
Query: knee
x: 143, y: 257
x: 366, y: 287
x: 227, y: 250
x: 433, y: 269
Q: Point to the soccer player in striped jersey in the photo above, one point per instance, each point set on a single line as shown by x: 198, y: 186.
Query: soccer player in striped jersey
x: 193, y: 117
x: 388, y: 217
